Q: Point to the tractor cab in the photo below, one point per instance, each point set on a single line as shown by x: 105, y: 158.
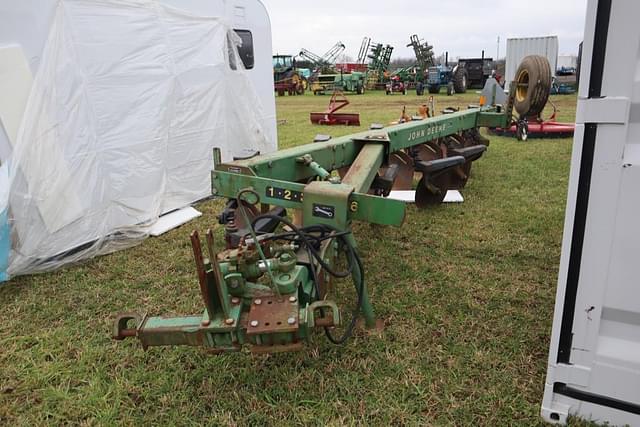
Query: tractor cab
x: 286, y: 78
x: 282, y: 63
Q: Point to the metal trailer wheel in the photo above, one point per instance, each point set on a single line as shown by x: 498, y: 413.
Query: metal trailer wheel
x: 522, y: 130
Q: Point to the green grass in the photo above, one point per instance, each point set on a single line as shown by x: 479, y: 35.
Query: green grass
x: 466, y: 293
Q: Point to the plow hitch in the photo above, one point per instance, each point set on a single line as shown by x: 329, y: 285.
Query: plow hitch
x: 245, y: 305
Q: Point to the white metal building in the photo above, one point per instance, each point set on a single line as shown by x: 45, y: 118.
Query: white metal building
x: 519, y: 48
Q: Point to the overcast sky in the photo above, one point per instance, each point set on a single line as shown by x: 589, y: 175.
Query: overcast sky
x: 462, y: 27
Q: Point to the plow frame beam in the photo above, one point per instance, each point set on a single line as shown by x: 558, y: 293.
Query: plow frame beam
x: 279, y: 178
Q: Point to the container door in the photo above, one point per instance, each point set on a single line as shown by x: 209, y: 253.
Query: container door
x: 594, y: 359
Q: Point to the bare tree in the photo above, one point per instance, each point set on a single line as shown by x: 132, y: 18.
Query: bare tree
x: 397, y: 63
x: 345, y: 59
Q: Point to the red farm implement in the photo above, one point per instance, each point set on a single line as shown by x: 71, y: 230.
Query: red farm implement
x: 331, y: 117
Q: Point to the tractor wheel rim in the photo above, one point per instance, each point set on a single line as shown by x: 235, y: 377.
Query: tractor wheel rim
x: 522, y: 85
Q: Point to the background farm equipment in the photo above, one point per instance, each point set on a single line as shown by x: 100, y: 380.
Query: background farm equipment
x: 534, y: 126
x: 379, y: 57
x: 396, y: 85
x: 453, y: 78
x: 279, y: 279
x: 423, y: 52
x: 350, y: 67
x: 477, y: 70
x: 331, y: 115
x: 534, y: 70
x: 566, y: 71
x: 344, y: 82
x: 415, y: 75
x: 561, y: 88
x: 325, y: 63
x: 286, y: 78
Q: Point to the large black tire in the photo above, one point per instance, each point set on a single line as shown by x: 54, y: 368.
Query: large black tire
x: 460, y: 80
x: 532, y: 86
x: 434, y: 88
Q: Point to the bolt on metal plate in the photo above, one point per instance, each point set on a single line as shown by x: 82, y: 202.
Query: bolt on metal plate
x: 274, y: 315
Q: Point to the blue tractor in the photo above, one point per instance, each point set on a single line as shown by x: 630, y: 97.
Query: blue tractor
x: 453, y: 78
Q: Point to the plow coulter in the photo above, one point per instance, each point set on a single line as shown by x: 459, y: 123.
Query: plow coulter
x: 280, y: 277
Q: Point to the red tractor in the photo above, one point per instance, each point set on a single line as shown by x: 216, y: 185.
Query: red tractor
x: 395, y: 85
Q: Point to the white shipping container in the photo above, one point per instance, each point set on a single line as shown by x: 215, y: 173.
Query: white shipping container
x: 519, y: 48
x: 594, y: 355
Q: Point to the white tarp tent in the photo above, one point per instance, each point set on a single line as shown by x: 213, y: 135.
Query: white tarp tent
x: 127, y: 104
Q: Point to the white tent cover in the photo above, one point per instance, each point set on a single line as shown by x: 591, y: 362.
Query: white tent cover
x: 129, y: 101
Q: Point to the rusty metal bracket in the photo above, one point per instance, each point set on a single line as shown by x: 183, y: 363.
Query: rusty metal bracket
x: 312, y: 321
x: 120, y: 325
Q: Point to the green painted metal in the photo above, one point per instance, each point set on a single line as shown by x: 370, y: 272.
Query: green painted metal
x: 326, y: 203
x: 276, y: 312
x: 342, y: 151
x: 418, y: 132
x: 230, y: 184
x: 365, y: 167
x: 344, y: 82
x: 376, y: 210
x: 227, y: 331
x: 493, y: 119
x: 367, y: 208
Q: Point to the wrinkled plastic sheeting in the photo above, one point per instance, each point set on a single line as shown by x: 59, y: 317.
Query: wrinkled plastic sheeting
x: 129, y: 101
x: 5, y: 239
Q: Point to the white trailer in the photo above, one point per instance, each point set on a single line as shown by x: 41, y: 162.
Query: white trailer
x: 594, y: 356
x: 109, y: 112
x: 519, y: 48
x: 25, y: 25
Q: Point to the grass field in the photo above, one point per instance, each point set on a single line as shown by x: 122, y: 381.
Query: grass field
x: 466, y: 293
